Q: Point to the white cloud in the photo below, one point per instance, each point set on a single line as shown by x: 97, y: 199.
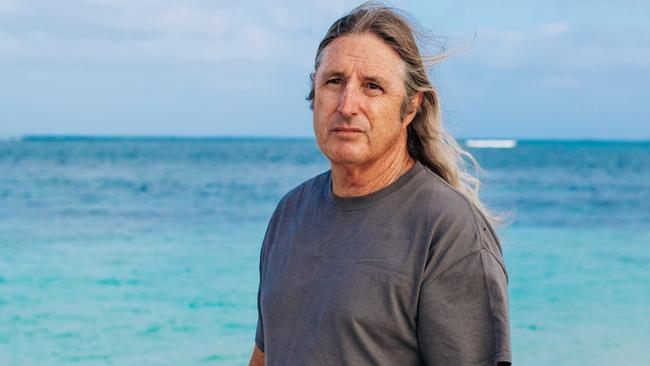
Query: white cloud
x: 552, y: 29
x: 174, y: 19
x: 8, y: 6
x: 11, y: 46
x: 558, y: 47
x: 106, y: 31
x: 518, y: 37
x: 507, y: 48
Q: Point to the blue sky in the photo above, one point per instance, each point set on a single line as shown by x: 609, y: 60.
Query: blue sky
x: 552, y: 69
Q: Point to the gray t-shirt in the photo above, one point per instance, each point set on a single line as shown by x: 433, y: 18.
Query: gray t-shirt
x: 412, y: 274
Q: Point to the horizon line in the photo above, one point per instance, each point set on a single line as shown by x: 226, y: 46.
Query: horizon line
x: 32, y: 137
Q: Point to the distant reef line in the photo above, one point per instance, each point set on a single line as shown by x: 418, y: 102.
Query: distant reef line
x: 464, y: 140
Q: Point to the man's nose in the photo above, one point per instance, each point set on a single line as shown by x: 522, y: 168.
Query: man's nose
x: 349, y: 100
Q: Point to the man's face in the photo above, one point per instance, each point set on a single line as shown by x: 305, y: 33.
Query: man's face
x: 359, y: 88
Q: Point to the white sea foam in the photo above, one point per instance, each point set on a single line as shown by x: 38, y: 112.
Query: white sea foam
x: 498, y: 144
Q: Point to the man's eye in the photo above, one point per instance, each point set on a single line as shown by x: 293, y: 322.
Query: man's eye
x: 334, y: 81
x: 373, y: 86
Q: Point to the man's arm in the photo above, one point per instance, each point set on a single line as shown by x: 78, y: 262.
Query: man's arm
x: 257, y: 359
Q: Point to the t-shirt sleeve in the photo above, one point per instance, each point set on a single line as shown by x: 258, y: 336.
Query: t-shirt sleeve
x: 271, y: 227
x: 259, y: 331
x: 463, y: 313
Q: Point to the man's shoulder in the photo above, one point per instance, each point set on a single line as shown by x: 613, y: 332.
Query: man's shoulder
x: 453, y: 214
x: 440, y: 200
x: 304, y: 191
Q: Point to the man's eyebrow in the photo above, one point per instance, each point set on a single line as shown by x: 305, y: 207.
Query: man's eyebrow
x: 369, y: 78
x: 375, y: 79
x: 329, y: 74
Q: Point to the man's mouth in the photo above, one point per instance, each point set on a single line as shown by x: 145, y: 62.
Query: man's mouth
x: 346, y: 130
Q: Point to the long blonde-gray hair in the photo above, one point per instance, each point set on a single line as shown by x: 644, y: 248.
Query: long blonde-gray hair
x: 427, y: 140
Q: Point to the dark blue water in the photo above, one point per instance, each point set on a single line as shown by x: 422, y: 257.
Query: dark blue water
x: 144, y: 251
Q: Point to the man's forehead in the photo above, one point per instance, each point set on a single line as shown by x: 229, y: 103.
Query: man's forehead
x: 365, y: 54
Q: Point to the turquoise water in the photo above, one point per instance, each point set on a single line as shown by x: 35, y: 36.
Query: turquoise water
x: 144, y: 251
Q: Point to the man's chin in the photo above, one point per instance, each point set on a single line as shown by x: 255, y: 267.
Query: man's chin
x: 346, y: 159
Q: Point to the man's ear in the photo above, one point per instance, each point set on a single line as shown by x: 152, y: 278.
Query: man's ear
x: 414, y: 106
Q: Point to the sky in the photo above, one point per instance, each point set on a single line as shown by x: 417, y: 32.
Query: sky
x: 527, y: 69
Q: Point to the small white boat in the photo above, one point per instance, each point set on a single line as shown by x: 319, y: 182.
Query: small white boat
x: 496, y: 144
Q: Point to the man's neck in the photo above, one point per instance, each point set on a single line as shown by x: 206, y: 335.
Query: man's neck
x: 352, y: 181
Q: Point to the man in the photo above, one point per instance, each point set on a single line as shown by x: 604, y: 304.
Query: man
x: 388, y: 258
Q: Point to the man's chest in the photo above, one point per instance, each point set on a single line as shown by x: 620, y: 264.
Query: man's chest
x: 340, y: 280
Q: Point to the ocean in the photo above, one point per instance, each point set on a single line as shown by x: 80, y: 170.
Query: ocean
x: 144, y: 251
